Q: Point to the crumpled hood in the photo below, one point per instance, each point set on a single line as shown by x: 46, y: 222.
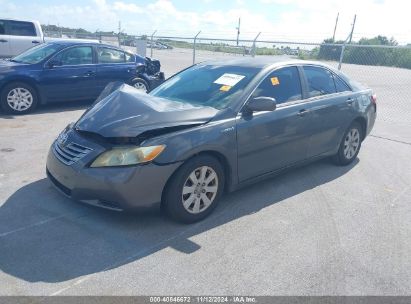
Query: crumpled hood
x: 126, y: 112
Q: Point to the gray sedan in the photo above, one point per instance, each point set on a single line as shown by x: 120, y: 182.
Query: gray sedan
x: 213, y: 127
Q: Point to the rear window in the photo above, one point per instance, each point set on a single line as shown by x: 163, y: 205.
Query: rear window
x: 21, y: 28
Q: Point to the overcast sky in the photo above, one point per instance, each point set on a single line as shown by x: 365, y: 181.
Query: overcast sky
x: 302, y: 20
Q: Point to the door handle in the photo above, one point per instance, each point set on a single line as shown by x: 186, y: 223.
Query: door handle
x: 302, y: 112
x: 35, y: 41
x: 3, y: 40
x: 89, y: 73
x: 350, y: 101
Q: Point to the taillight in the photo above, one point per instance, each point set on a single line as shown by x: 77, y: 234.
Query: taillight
x: 374, y: 99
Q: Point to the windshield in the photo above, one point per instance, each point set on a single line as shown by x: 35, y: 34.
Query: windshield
x: 207, y: 85
x: 37, y: 53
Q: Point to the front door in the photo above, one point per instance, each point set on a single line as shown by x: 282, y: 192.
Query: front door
x: 72, y: 77
x: 268, y: 141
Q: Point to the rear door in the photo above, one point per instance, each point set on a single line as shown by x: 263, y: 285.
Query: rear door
x: 5, y: 50
x: 73, y: 77
x: 23, y: 36
x: 332, y: 110
x: 271, y: 140
x: 114, y: 65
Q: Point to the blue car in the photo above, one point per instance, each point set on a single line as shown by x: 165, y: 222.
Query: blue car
x: 69, y: 71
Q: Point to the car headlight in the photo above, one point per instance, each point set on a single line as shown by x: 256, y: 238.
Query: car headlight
x: 125, y: 156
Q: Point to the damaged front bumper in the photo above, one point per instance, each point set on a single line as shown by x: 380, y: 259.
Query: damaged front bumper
x: 115, y: 188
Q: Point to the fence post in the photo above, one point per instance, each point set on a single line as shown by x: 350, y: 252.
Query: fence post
x: 349, y: 38
x: 194, y: 47
x: 341, y: 56
x: 152, y: 36
x: 253, y: 49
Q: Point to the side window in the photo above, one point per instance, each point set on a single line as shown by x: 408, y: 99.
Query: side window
x: 129, y: 57
x: 2, y: 27
x: 76, y: 55
x: 19, y: 28
x: 320, y: 81
x: 283, y: 85
x: 107, y: 55
x: 340, y: 85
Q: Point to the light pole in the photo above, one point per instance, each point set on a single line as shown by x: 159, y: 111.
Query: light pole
x: 238, y: 30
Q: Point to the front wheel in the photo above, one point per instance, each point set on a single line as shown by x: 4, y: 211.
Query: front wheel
x: 141, y: 85
x: 350, y: 145
x: 18, y: 98
x: 194, y: 190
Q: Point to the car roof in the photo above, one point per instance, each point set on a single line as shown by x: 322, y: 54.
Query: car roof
x: 69, y: 42
x: 263, y: 62
x: 17, y: 19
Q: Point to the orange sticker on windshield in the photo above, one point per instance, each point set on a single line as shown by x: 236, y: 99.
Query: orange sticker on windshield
x: 275, y: 81
x: 225, y: 88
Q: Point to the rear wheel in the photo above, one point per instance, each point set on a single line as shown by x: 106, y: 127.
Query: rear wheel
x: 18, y: 98
x: 350, y: 145
x: 193, y: 192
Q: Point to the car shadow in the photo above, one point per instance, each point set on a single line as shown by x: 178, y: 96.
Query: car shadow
x: 46, y: 237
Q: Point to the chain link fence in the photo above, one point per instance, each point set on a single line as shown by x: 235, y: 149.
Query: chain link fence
x: 384, y: 68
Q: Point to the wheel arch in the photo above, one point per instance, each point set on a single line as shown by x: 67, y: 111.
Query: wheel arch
x: 221, y: 158
x: 26, y: 80
x: 363, y: 123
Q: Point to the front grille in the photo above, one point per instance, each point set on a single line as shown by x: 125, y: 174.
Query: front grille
x: 70, y: 153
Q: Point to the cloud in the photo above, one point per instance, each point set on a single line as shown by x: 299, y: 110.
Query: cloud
x: 277, y: 19
x: 127, y: 7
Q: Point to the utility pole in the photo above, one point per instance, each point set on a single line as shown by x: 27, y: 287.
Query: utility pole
x: 152, y: 42
x: 119, y: 33
x: 352, y: 29
x: 349, y: 38
x: 335, y: 28
x: 238, y: 29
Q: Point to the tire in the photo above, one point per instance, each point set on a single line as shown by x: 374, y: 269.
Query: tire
x: 350, y: 145
x: 196, y: 204
x: 140, y: 84
x: 18, y: 98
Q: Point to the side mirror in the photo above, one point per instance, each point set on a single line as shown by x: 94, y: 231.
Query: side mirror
x: 258, y: 104
x: 53, y: 63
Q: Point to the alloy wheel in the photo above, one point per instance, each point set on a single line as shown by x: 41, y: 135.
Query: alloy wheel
x: 19, y: 99
x: 200, y: 189
x: 351, y: 143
